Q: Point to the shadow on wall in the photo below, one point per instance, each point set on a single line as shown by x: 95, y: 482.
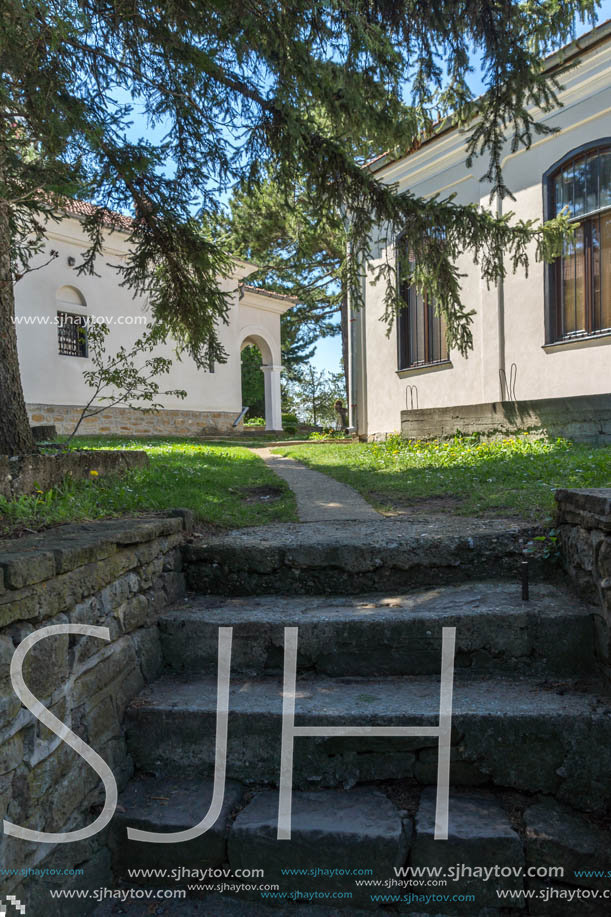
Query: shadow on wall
x: 583, y: 418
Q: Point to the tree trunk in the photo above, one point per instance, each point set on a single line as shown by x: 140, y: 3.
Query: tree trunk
x: 15, y: 433
x: 345, y: 331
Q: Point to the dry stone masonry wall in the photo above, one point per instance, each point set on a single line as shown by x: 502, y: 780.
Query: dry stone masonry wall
x: 132, y: 422
x: 115, y: 574
x: 584, y: 526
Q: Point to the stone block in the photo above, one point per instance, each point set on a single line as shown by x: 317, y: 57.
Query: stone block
x: 11, y: 753
x: 25, y: 565
x: 68, y: 795
x: 187, y: 516
x: 97, y: 873
x: 51, y: 769
x: 7, y: 649
x: 99, y: 720
x: 75, y: 549
x: 174, y: 586
x: 21, y: 605
x: 109, y: 667
x: 59, y: 709
x: 147, y: 646
x: 332, y: 829
x: 46, y: 666
x: 168, y: 806
x: 480, y: 836
x: 461, y: 772
x: 6, y: 792
x: 9, y: 705
x: 604, y: 558
x: 558, y: 836
x: 134, y: 613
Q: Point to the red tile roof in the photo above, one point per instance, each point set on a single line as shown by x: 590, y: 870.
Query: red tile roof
x: 86, y: 209
x: 274, y: 295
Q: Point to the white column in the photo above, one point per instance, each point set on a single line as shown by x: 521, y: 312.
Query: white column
x: 273, y: 402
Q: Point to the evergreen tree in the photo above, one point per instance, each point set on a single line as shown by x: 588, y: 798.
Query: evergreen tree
x: 246, y: 91
x: 253, y: 383
x: 298, y: 254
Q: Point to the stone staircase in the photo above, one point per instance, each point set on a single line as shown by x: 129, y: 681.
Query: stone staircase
x: 530, y: 742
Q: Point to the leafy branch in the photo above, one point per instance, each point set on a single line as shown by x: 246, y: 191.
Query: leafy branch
x: 118, y: 380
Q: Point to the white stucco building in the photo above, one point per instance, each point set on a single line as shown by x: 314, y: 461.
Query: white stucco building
x: 542, y: 343
x: 52, y: 354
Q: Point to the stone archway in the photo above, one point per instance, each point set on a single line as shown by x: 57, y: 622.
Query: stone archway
x: 254, y: 336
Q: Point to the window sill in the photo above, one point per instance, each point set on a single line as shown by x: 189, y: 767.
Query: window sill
x: 423, y: 368
x: 585, y: 340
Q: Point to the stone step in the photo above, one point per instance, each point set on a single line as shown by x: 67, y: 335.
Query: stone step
x: 523, y: 734
x: 166, y: 806
x: 388, y: 634
x: 343, y: 841
x: 557, y: 836
x: 344, y: 558
x: 333, y: 832
x: 480, y: 837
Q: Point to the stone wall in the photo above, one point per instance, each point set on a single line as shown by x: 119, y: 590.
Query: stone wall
x: 25, y: 474
x: 116, y: 574
x: 129, y: 422
x: 586, y: 418
x: 584, y: 527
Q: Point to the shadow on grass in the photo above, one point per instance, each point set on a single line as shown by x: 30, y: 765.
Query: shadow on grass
x: 509, y: 478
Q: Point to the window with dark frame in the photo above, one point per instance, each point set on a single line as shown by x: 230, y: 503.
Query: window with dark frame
x: 72, y: 334
x: 421, y: 331
x: 580, y: 280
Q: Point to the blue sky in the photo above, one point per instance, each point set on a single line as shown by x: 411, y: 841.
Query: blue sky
x: 328, y: 350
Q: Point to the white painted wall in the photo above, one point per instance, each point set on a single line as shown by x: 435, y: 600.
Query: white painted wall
x: 439, y: 167
x: 49, y: 378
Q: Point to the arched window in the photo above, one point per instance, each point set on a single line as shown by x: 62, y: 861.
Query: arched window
x: 580, y: 281
x: 71, y: 325
x: 69, y: 296
x: 421, y: 332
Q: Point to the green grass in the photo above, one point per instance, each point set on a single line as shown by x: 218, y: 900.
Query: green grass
x: 516, y: 476
x: 215, y: 480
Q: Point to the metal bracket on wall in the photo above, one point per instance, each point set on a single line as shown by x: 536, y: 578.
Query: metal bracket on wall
x: 508, y: 390
x: 411, y: 397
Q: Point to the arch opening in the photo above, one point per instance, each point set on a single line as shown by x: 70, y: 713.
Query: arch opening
x: 260, y: 376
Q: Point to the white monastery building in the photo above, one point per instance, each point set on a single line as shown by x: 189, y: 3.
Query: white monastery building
x: 542, y: 343
x: 53, y: 352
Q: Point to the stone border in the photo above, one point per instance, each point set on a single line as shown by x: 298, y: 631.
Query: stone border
x: 26, y: 474
x: 120, y: 574
x: 119, y: 421
x: 583, y: 418
x: 584, y: 531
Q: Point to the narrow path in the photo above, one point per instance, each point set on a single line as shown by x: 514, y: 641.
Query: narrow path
x: 319, y: 497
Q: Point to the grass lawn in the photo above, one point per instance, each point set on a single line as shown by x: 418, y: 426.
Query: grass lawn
x: 224, y: 484
x: 516, y: 476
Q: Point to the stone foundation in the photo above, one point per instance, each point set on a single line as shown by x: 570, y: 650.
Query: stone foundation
x: 129, y: 422
x: 584, y: 527
x: 586, y: 418
x: 116, y: 574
